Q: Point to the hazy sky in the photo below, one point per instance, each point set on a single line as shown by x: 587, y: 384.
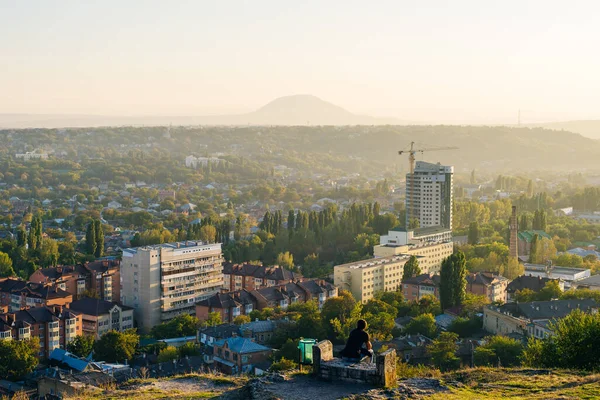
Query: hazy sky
x: 452, y: 61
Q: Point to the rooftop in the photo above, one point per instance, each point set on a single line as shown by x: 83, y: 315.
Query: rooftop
x: 241, y: 345
x: 547, y: 309
x: 188, y: 244
x: 528, y: 235
x: 374, y: 262
x: 96, y: 307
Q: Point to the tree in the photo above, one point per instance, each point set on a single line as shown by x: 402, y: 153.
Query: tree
x: 208, y: 234
x: 423, y: 324
x: 81, y: 346
x: 99, y: 238
x: 572, y: 344
x: 530, y: 189
x: 524, y: 223
x: 285, y: 260
x: 411, y: 268
x: 465, y: 327
x: 181, y: 325
x: 241, y: 319
x: 551, y: 290
x: 214, y: 318
x: 453, y: 280
x: 499, y: 350
x: 340, y: 308
x: 18, y: 357
x: 189, y: 349
x: 90, y: 238
x: 443, y: 351
x: 116, y: 346
x: 49, y: 253
x: 525, y: 295
x: 513, y: 268
x: 6, y: 266
x: 167, y: 354
x: 473, y: 179
x: 473, y: 236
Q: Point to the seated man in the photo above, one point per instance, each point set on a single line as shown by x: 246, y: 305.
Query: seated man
x: 354, y: 350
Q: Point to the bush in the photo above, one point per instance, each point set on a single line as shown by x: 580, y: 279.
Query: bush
x: 499, y: 350
x: 169, y: 353
x: 283, y: 365
x: 465, y: 327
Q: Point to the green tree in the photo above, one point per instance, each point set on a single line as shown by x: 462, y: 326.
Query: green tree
x: 499, y: 351
x: 181, y: 325
x: 18, y: 357
x: 423, y: 324
x: 285, y: 260
x: 6, y: 266
x: 48, y: 252
x: 525, y: 295
x: 473, y: 235
x: 214, y: 319
x: 189, y: 349
x: 513, y: 268
x: 573, y: 344
x: 241, y: 319
x: 116, y: 346
x: 551, y: 290
x: 530, y: 189
x: 208, y: 234
x: 411, y: 268
x: 167, y: 354
x: 443, y: 351
x: 453, y: 280
x: 90, y: 238
x: 99, y: 238
x: 81, y: 346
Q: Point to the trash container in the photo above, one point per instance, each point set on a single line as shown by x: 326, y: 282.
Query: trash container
x: 305, y: 351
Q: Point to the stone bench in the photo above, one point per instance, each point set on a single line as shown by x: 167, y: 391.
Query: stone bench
x: 329, y: 368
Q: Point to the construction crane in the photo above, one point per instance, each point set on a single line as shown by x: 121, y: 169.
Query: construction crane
x: 411, y: 161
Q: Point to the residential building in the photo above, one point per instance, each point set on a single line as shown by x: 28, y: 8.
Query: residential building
x: 521, y: 318
x: 239, y: 355
x: 533, y: 283
x: 490, y: 285
x: 243, y: 302
x: 422, y: 285
x: 429, y: 191
x: 251, y: 277
x: 260, y: 331
x: 431, y: 245
x: 54, y: 326
x: 365, y: 278
x: 101, y: 277
x: 165, y: 280
x: 31, y: 155
x: 211, y: 334
x: 592, y: 283
x: 100, y: 316
x: 18, y: 294
x: 524, y: 242
x: 566, y: 274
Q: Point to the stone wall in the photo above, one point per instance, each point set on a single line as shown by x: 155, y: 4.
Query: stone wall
x: 380, y: 373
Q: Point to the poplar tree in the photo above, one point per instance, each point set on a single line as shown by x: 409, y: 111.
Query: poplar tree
x: 90, y: 238
x: 99, y: 235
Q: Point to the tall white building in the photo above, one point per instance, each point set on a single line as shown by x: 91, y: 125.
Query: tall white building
x: 165, y: 280
x: 429, y: 193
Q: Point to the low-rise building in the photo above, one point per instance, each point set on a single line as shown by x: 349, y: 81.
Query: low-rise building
x: 251, y: 277
x: 242, y: 302
x: 416, y: 287
x: 533, y: 283
x: 524, y: 239
x: 365, y: 278
x: 100, y: 316
x: 18, y: 294
x: 487, y: 284
x: 566, y: 274
x: 54, y: 326
x: 592, y: 283
x: 522, y: 318
x: 260, y: 331
x: 239, y: 355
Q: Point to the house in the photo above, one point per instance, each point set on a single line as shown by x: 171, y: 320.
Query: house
x: 490, y: 285
x: 518, y: 318
x: 100, y: 316
x: 114, y: 205
x: 211, y: 334
x: 252, y: 276
x: 260, y: 331
x: 411, y: 349
x: 18, y: 294
x: 418, y: 286
x: 239, y: 355
x: 592, y: 283
x: 590, y: 251
x: 54, y: 326
x: 243, y: 302
x: 524, y: 239
x: 533, y: 283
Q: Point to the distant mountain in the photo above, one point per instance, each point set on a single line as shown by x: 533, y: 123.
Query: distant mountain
x: 288, y: 110
x: 589, y: 128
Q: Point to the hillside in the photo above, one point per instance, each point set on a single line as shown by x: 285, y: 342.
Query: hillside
x: 589, y: 128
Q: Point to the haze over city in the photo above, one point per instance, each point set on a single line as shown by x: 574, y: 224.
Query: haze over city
x: 418, y: 62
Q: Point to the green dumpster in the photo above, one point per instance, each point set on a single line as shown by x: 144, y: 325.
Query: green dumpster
x: 305, y: 351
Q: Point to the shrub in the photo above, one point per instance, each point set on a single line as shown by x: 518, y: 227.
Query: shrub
x: 283, y: 365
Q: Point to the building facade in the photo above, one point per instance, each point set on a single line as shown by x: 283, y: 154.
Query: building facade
x: 252, y: 277
x: 487, y: 284
x: 237, y: 355
x: 54, y: 326
x: 166, y: 280
x: 429, y: 195
x: 18, y: 294
x: 100, y: 316
x: 415, y: 288
x: 365, y: 278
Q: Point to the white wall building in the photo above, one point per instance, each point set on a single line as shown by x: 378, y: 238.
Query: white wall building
x: 429, y: 195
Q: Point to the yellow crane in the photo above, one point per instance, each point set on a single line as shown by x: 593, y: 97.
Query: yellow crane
x: 411, y: 161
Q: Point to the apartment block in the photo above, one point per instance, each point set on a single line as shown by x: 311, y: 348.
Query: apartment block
x: 415, y: 288
x: 490, y: 285
x: 101, y: 277
x: 365, y: 278
x: 100, y: 316
x: 54, y: 326
x: 165, y: 280
x: 18, y: 294
x: 252, y: 277
x: 429, y: 195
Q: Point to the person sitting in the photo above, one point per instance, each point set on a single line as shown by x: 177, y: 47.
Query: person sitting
x: 354, y: 349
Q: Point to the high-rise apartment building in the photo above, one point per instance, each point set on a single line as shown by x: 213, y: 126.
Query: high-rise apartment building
x: 429, y: 195
x: 166, y: 280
